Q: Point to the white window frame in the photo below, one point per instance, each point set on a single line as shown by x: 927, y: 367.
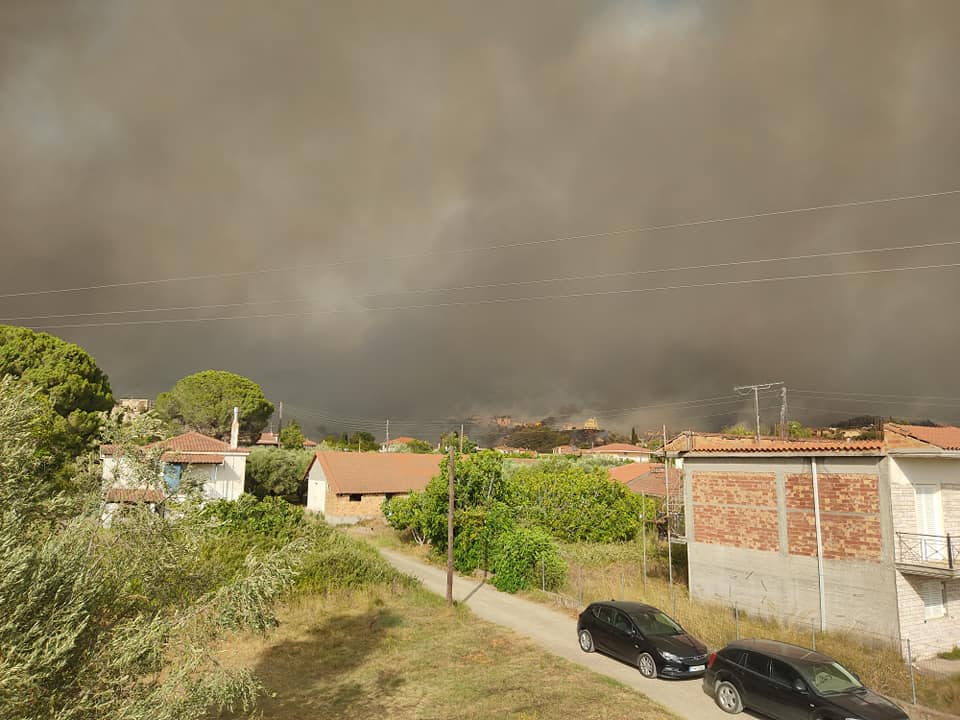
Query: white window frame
x: 933, y: 590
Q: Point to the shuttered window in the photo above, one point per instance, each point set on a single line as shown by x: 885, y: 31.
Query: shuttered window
x: 932, y: 593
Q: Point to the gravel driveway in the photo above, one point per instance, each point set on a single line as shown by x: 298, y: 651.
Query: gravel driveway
x: 557, y: 633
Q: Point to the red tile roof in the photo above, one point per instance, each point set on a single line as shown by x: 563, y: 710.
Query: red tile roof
x: 944, y: 438
x: 268, y: 438
x: 189, y: 443
x: 192, y: 458
x: 375, y: 473
x: 719, y: 444
x: 647, y: 478
x: 618, y: 448
x: 133, y: 495
x: 403, y: 440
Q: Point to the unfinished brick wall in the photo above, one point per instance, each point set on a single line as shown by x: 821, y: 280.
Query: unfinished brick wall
x: 737, y: 509
x: 342, y: 506
x: 849, y: 515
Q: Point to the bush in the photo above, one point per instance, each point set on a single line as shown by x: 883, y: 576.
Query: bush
x: 274, y: 471
x: 526, y: 558
x: 270, y: 520
x: 336, y: 562
x: 477, y: 538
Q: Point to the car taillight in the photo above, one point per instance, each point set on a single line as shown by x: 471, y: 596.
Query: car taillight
x: 713, y: 656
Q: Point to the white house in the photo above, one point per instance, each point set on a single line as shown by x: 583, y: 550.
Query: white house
x: 217, y: 467
x: 624, y: 451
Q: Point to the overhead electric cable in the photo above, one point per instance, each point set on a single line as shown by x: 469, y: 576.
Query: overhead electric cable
x: 516, y: 283
x: 499, y: 301
x: 485, y: 248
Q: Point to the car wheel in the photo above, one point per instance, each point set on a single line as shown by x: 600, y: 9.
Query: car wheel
x: 647, y: 665
x: 728, y: 697
x: 586, y: 641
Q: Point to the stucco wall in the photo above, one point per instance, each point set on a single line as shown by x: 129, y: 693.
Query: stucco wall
x: 747, y: 520
x: 316, y: 489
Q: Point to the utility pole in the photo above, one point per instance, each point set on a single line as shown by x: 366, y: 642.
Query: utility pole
x: 755, y: 389
x: 666, y: 480
x: 461, y: 438
x: 280, y: 422
x: 388, y: 431
x: 450, y: 530
x: 783, y: 413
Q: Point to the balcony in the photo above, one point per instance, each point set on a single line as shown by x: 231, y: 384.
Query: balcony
x: 935, y: 556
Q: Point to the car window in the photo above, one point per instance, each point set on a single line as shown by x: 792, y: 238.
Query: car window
x: 829, y: 678
x: 621, y: 623
x: 656, y: 624
x: 595, y: 610
x: 606, y: 614
x: 783, y: 673
x: 757, y: 663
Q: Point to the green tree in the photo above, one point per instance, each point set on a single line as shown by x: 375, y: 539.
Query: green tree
x: 453, y: 438
x: 205, y: 400
x: 291, y: 437
x: 798, y: 431
x: 634, y: 440
x: 739, y: 429
x: 119, y: 624
x: 419, y: 447
x: 276, y: 471
x: 363, y: 441
x: 69, y: 383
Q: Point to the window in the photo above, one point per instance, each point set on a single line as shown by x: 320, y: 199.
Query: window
x: 621, y: 623
x: 607, y: 614
x: 783, y: 673
x: 757, y: 663
x: 932, y: 593
x: 356, y: 497
x: 172, y: 474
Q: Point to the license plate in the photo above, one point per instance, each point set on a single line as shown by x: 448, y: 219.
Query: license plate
x: 697, y: 668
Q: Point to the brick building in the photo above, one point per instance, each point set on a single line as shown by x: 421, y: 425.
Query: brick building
x: 852, y: 535
x: 347, y: 487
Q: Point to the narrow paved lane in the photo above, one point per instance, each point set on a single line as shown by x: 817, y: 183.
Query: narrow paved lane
x: 557, y: 633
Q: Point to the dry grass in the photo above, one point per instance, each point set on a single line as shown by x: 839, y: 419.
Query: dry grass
x: 380, y: 654
x: 614, y: 571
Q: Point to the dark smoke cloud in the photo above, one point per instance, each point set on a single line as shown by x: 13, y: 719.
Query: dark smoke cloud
x: 143, y: 140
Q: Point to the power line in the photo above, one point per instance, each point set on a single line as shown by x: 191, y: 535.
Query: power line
x: 515, y: 283
x: 486, y: 248
x: 499, y: 301
x: 879, y: 395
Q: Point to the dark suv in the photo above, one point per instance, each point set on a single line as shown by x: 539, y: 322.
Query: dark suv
x: 787, y: 682
x: 642, y: 636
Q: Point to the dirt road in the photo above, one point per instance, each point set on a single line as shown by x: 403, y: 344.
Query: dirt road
x: 557, y: 633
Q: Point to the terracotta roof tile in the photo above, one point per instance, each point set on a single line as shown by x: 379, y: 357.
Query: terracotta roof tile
x: 718, y: 443
x: 647, y: 478
x: 944, y: 438
x: 133, y: 495
x: 192, y: 458
x: 373, y: 472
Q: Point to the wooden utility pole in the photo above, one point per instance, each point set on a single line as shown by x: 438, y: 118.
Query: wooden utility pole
x: 783, y: 413
x: 461, y: 438
x: 450, y: 530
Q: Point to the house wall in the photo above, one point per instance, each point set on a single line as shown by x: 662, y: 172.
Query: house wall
x: 316, y: 489
x: 927, y: 636
x: 752, y: 540
x: 226, y: 481
x: 341, y: 510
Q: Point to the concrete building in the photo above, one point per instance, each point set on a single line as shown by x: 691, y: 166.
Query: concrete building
x: 350, y: 487
x: 828, y: 533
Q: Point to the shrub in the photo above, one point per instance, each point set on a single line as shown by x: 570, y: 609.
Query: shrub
x: 526, y: 558
x: 274, y: 471
x: 335, y: 561
x: 269, y: 519
x: 477, y: 537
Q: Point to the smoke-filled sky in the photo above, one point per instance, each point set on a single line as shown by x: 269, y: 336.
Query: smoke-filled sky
x: 369, y: 148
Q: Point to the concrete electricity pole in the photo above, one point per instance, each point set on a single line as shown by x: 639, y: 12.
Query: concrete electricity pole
x: 755, y: 389
x: 450, y: 529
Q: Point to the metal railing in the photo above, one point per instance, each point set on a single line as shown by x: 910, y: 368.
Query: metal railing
x: 931, y: 550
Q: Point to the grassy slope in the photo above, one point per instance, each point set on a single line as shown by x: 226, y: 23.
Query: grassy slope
x: 400, y: 653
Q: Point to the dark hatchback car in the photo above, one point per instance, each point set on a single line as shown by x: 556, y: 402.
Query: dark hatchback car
x: 642, y: 636
x: 787, y: 682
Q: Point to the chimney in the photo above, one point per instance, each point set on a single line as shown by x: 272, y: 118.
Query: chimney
x: 235, y: 429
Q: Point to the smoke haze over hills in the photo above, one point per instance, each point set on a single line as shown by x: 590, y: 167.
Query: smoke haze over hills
x: 160, y: 140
